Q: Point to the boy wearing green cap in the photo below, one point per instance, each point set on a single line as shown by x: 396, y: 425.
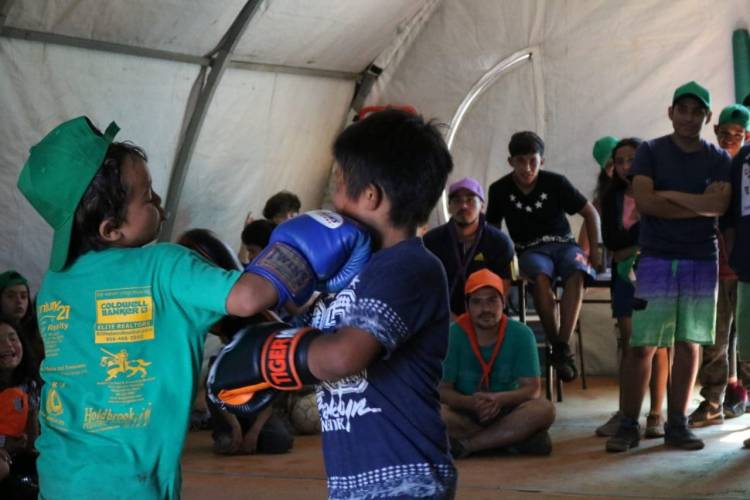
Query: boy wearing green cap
x: 723, y: 394
x: 123, y: 323
x: 680, y: 185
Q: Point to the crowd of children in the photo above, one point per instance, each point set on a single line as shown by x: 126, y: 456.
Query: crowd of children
x: 370, y: 307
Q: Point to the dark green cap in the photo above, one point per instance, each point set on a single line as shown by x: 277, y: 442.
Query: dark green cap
x: 603, y: 149
x: 58, y: 172
x: 693, y: 89
x: 736, y: 113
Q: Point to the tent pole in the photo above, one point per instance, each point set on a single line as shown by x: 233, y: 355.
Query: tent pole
x: 221, y: 58
x: 485, y: 82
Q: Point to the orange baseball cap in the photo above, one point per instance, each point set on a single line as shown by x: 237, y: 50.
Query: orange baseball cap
x: 483, y: 278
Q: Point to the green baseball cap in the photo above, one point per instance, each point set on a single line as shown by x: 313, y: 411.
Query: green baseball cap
x: 603, y: 149
x: 10, y: 278
x: 735, y: 113
x: 58, y: 172
x: 693, y: 89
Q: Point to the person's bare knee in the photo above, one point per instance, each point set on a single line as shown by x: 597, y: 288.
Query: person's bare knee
x: 538, y: 410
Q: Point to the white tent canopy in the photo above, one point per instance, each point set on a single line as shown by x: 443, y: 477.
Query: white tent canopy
x: 240, y: 99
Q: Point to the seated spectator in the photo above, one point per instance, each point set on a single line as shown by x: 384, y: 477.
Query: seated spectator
x: 491, y: 386
x: 14, y: 297
x: 255, y: 237
x: 466, y: 243
x: 16, y: 307
x: 281, y: 207
x: 533, y: 202
x: 19, y: 404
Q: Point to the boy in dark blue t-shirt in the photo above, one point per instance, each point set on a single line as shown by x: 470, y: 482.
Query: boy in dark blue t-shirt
x: 376, y: 348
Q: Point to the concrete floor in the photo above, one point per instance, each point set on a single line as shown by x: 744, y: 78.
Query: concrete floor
x: 578, y: 467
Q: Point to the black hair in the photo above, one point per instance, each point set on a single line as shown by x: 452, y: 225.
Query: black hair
x: 28, y: 369
x: 400, y: 154
x: 617, y: 183
x: 281, y: 203
x: 525, y: 143
x: 105, y: 198
x: 746, y: 101
x: 258, y: 232
x: 602, y: 183
x: 29, y: 307
x: 209, y: 245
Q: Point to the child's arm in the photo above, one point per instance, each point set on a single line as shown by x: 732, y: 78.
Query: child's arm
x: 650, y: 203
x: 250, y: 295
x: 591, y: 220
x: 346, y: 352
x: 712, y: 203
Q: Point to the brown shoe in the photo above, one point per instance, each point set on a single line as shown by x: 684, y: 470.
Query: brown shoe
x: 654, y: 426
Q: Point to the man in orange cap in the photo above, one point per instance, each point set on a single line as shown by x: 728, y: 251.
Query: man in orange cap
x: 491, y: 388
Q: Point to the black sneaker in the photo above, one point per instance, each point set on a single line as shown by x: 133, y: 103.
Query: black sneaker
x: 564, y: 362
x: 624, y: 439
x: 536, y: 444
x: 681, y: 437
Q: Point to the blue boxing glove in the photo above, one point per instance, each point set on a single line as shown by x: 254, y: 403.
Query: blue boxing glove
x: 319, y: 250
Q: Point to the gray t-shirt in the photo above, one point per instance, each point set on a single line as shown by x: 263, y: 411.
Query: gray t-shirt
x: 672, y: 169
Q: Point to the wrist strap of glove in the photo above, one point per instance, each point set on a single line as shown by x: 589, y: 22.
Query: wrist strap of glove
x: 284, y: 359
x: 283, y: 265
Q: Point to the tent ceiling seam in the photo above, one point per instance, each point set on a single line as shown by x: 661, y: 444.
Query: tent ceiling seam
x: 236, y: 62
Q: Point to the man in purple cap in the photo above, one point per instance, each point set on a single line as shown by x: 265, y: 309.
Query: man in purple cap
x: 466, y: 243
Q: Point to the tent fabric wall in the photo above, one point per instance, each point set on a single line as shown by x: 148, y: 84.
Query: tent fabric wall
x: 599, y: 67
x: 264, y: 132
x: 44, y: 85
x: 184, y: 26
x: 607, y: 68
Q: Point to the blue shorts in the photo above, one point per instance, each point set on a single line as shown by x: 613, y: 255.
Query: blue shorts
x: 622, y: 296
x: 555, y: 260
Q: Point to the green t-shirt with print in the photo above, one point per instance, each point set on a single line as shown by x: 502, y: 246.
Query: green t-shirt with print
x: 123, y: 332
x: 518, y: 358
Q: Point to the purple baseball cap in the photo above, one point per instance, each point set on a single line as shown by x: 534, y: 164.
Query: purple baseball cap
x: 468, y: 183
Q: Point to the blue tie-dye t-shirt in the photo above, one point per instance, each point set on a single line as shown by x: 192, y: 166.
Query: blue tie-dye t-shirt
x: 382, y: 432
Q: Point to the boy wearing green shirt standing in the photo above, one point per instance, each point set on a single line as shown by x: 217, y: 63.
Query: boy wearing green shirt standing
x: 124, y: 324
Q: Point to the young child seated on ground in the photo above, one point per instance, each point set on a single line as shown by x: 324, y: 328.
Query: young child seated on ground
x: 19, y: 403
x: 491, y: 385
x: 533, y: 202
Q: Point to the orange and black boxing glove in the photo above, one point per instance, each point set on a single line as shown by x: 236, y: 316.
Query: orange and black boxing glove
x: 260, y: 361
